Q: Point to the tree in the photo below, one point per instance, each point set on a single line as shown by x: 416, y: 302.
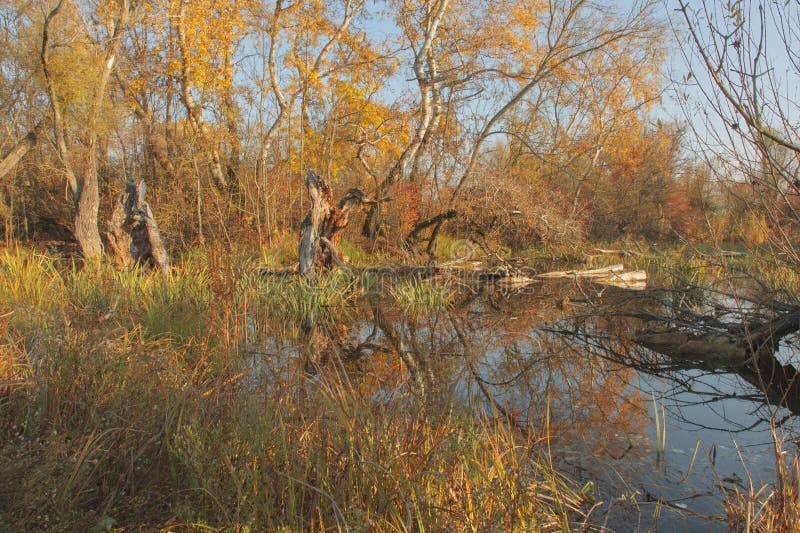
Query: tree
x: 304, y: 65
x: 21, y: 119
x: 743, y: 66
x: 83, y: 183
x: 421, y: 22
x: 205, y: 34
x: 478, y: 64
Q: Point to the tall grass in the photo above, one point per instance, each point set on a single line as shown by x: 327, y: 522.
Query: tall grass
x: 423, y: 295
x: 139, y: 412
x: 31, y: 285
x: 773, y: 507
x: 324, y: 298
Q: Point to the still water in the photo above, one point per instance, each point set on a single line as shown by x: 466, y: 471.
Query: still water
x: 659, y: 440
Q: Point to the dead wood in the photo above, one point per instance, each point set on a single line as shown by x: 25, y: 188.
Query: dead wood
x: 604, y: 251
x: 413, y: 236
x: 595, y: 273
x: 713, y: 348
x: 324, y: 223
x: 133, y: 235
x: 320, y: 195
x: 333, y: 252
x: 749, y: 349
x: 613, y: 275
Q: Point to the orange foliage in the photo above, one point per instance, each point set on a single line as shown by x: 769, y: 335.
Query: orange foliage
x: 406, y: 203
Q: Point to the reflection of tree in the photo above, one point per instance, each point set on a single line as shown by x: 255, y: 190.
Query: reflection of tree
x: 685, y: 340
x: 502, y: 354
x: 348, y: 344
x: 558, y: 357
x: 578, y: 396
x: 476, y: 355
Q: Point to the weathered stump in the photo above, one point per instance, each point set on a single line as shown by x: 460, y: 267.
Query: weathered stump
x: 320, y: 232
x: 133, y: 235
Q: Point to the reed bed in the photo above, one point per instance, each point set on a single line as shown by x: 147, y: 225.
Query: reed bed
x: 135, y: 406
x: 423, y: 295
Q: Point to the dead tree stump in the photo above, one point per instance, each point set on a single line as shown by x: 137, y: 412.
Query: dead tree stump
x: 320, y: 232
x: 133, y: 235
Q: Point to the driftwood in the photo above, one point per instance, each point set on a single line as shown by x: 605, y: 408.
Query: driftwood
x: 633, y: 280
x: 757, y: 366
x: 614, y: 275
x: 712, y: 348
x: 605, y: 251
x: 583, y: 274
x: 133, y: 235
x: 734, y: 345
x: 321, y: 229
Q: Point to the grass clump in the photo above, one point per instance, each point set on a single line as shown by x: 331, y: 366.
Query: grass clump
x: 774, y: 507
x: 416, y: 295
x: 31, y: 285
x: 355, y: 254
x: 298, y: 299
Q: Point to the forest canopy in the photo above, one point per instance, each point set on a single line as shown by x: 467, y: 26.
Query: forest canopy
x: 534, y: 122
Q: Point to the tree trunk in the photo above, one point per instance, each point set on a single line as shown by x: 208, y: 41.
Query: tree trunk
x: 426, y: 72
x: 23, y: 146
x: 133, y: 235
x: 194, y: 110
x: 320, y: 195
x: 413, y: 237
x: 87, y: 210
x: 85, y: 190
x: 372, y: 223
x: 324, y: 223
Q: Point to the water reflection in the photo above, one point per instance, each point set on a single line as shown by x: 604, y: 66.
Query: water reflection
x: 572, y: 363
x: 686, y: 340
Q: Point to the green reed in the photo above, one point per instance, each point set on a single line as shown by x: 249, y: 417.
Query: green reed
x: 423, y: 295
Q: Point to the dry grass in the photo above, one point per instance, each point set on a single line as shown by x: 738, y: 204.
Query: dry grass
x: 769, y: 508
x: 140, y: 409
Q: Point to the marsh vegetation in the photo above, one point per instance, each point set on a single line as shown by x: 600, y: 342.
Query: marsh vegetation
x: 221, y: 398
x: 419, y: 265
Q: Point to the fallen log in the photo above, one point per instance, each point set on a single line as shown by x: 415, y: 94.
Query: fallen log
x: 583, y: 274
x: 606, y: 251
x: 613, y: 275
x: 635, y: 280
x: 716, y: 349
x: 749, y: 349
